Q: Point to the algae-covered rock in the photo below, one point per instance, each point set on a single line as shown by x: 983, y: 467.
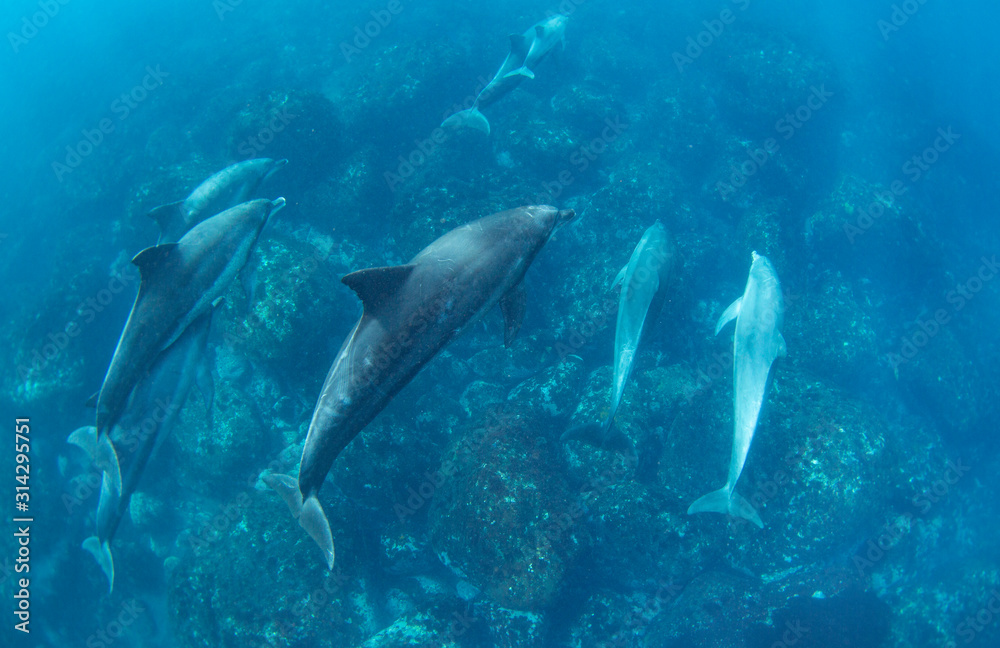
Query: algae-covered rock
x: 260, y: 578
x: 504, y: 516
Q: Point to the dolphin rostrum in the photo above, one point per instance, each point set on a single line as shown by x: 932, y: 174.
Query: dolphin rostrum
x: 410, y: 313
x: 152, y: 411
x: 179, y: 282
x: 757, y: 342
x: 227, y: 188
x: 644, y: 281
x: 526, y: 51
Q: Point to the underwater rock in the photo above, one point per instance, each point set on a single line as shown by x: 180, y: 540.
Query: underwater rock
x: 301, y: 126
x: 946, y: 382
x: 504, y: 517
x: 726, y: 609
x: 552, y: 391
x: 514, y: 628
x: 830, y: 332
x: 254, y: 578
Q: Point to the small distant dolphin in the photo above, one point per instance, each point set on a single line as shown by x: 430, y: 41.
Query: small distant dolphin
x: 227, y: 188
x: 757, y: 342
x: 179, y: 282
x: 526, y: 51
x: 152, y: 411
x: 410, y: 313
x: 644, y: 280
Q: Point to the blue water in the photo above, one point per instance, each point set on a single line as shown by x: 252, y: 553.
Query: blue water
x: 112, y: 109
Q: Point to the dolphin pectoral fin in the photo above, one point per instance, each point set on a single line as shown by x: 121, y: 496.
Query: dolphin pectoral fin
x: 620, y: 277
x: 101, y: 552
x: 513, y: 305
x: 376, y: 287
x: 92, y: 401
x: 782, y: 348
x: 728, y: 315
x: 314, y: 521
x: 85, y: 438
x: 469, y: 118
x: 168, y: 218
x: 248, y: 281
x: 106, y: 459
x: 206, y: 387
x: 521, y: 71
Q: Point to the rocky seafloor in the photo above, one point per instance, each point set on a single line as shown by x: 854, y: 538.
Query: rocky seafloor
x: 459, y: 517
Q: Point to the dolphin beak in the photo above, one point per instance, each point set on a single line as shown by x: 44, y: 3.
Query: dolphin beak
x: 564, y: 216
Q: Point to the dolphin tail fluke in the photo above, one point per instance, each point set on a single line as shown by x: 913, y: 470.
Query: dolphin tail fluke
x: 106, y: 459
x: 85, y: 438
x: 521, y: 71
x: 101, y: 552
x: 314, y: 521
x: 469, y: 118
x: 168, y: 217
x: 308, y: 512
x: 728, y: 503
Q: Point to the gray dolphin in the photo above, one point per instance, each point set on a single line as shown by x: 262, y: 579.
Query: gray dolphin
x: 526, y: 51
x: 179, y: 282
x: 644, y: 281
x: 410, y: 313
x: 757, y: 342
x: 152, y: 411
x: 227, y: 188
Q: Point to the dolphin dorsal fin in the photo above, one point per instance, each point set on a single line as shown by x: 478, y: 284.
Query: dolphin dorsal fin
x: 377, y: 286
x: 171, y: 221
x: 153, y: 260
x: 513, y: 305
x: 519, y: 45
x: 539, y: 31
x: 728, y: 315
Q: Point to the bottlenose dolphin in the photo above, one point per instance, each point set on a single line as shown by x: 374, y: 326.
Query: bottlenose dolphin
x: 227, y: 188
x: 644, y: 280
x: 179, y: 281
x: 757, y: 342
x: 152, y: 411
x: 526, y: 51
x: 410, y: 313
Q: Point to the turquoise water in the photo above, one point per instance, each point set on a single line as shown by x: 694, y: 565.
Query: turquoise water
x: 853, y: 145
